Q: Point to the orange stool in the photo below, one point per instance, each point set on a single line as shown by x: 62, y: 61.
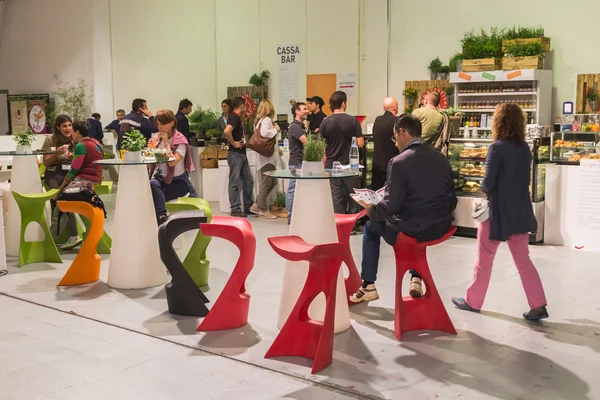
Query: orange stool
x: 344, y: 224
x: 86, y: 266
x: 427, y: 312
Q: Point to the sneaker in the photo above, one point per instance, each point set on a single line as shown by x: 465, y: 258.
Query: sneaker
x: 416, y: 288
x: 365, y: 294
x: 266, y: 215
x: 162, y: 219
x: 254, y: 209
x: 536, y: 314
x: 239, y: 214
x: 73, y: 242
x: 461, y: 303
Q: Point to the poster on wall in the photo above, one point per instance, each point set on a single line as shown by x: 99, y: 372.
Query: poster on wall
x: 588, y: 207
x: 28, y: 110
x: 322, y: 85
x: 288, y: 63
x: 348, y: 83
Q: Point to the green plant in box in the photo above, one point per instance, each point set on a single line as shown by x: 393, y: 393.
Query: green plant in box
x: 260, y: 79
x: 202, y: 120
x: 25, y: 137
x: 523, y: 33
x: 134, y: 141
x: 482, y: 45
x: 453, y: 64
x: 435, y: 66
x: 213, y: 133
x: 410, y: 93
x: 279, y: 200
x: 314, y: 149
x: 523, y: 49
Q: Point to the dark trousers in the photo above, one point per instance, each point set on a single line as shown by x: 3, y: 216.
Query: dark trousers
x: 161, y: 193
x: 267, y: 184
x: 54, y: 180
x: 240, y: 179
x: 341, y: 189
x: 378, y: 179
x: 371, y: 244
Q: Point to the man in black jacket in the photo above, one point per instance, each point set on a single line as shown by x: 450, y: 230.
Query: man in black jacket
x: 139, y: 118
x: 384, y: 148
x: 183, y: 124
x: 419, y: 200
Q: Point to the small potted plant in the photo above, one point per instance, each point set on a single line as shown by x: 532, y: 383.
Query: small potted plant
x: 278, y: 206
x: 410, y: 95
x: 592, y: 96
x: 444, y: 72
x: 435, y: 67
x: 314, y: 150
x: 133, y: 144
x: 24, y: 141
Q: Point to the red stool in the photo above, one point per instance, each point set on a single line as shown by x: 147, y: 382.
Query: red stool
x: 344, y: 224
x: 300, y: 335
x: 427, y: 312
x: 231, y: 308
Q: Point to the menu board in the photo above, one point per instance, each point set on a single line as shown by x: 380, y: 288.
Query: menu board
x: 588, y: 206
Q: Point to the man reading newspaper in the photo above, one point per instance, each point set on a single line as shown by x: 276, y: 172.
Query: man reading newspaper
x: 418, y: 200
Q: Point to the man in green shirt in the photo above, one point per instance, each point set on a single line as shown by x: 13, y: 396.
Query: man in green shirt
x: 431, y: 118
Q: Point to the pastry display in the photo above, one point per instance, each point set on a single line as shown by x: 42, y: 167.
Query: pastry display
x: 579, y: 157
x: 471, y: 187
x: 480, y: 152
x: 562, y: 143
x: 471, y: 170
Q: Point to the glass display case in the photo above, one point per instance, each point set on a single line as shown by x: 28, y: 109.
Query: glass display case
x: 569, y: 147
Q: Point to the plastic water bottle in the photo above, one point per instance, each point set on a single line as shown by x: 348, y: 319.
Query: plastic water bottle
x: 354, y: 156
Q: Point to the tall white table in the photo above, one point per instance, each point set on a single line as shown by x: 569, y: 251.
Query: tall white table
x: 135, y: 259
x: 314, y: 221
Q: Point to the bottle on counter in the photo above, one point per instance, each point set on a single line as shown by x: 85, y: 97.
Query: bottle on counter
x: 354, y: 157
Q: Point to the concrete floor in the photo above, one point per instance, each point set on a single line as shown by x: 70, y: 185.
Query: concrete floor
x: 104, y: 343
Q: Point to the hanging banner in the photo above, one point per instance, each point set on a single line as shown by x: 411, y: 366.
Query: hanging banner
x: 37, y: 116
x: 288, y: 61
x: 18, y: 116
x: 28, y: 110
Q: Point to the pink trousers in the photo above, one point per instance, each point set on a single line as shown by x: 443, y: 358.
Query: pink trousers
x: 519, y: 248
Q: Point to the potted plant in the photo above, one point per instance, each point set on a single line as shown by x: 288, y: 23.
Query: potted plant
x: 314, y: 150
x: 455, y: 63
x: 435, y: 67
x: 278, y: 206
x: 24, y: 140
x: 592, y: 96
x: 133, y: 144
x: 526, y: 35
x: 523, y: 55
x: 260, y: 79
x: 73, y: 99
x: 483, y: 51
x: 444, y: 72
x: 410, y: 95
x: 201, y: 120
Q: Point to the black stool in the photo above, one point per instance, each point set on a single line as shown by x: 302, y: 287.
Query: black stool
x: 183, y: 296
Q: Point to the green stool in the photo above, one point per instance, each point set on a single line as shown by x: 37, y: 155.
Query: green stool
x: 106, y: 187
x: 195, y: 262
x: 64, y: 235
x: 32, y: 208
x: 105, y: 242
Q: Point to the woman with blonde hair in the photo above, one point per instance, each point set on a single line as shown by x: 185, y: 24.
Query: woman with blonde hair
x: 268, y: 130
x: 172, y: 179
x: 511, y: 218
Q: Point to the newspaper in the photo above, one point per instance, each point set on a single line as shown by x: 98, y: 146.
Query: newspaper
x: 367, y: 196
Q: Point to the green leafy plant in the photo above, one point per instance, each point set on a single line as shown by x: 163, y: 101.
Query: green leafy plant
x: 482, y: 45
x: 451, y: 112
x: 445, y: 69
x: 279, y: 200
x: 134, y: 141
x: 260, y: 79
x: 410, y: 93
x: 523, y: 33
x: 202, y: 120
x: 24, y: 138
x: 449, y: 90
x: 435, y: 66
x: 523, y: 49
x: 453, y: 63
x: 314, y: 149
x: 592, y: 94
x: 73, y: 99
x: 213, y: 133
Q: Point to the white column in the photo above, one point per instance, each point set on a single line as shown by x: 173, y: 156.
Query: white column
x: 102, y: 60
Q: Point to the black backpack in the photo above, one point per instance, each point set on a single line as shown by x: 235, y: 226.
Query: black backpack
x: 81, y: 193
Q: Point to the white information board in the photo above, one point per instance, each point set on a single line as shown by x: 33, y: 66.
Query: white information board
x: 288, y: 62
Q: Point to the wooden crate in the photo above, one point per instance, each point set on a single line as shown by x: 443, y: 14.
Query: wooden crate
x: 482, y: 64
x: 422, y: 87
x: 585, y: 81
x: 544, y: 41
x: 513, y: 63
x: 261, y: 92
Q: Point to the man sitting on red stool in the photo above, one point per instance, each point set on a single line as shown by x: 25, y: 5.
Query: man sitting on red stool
x: 419, y: 200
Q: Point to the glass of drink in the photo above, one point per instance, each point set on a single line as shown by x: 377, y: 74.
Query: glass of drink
x: 337, y: 168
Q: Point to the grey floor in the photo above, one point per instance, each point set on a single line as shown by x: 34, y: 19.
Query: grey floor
x: 95, y: 342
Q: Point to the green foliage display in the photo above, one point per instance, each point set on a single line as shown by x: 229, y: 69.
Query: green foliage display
x: 523, y: 49
x: 314, y: 149
x: 203, y: 120
x: 523, y: 33
x: 134, y: 141
x: 73, y: 99
x: 482, y: 44
x: 452, y: 64
x: 213, y: 133
x: 410, y: 93
x: 279, y: 200
x: 435, y: 66
x: 592, y: 94
x: 260, y: 80
x: 25, y: 137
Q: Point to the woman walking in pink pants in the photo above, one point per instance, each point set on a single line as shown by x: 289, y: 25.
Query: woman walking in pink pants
x: 511, y: 218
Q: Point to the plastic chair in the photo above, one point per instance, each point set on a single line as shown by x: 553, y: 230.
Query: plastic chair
x: 105, y: 242
x: 32, y: 208
x: 86, y: 266
x: 423, y: 313
x: 195, y: 261
x: 300, y: 335
x: 344, y: 224
x: 183, y: 295
x: 106, y: 187
x: 231, y: 308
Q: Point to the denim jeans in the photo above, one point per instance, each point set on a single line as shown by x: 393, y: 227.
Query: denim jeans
x: 371, y: 244
x: 161, y: 192
x: 289, y: 197
x: 240, y: 179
